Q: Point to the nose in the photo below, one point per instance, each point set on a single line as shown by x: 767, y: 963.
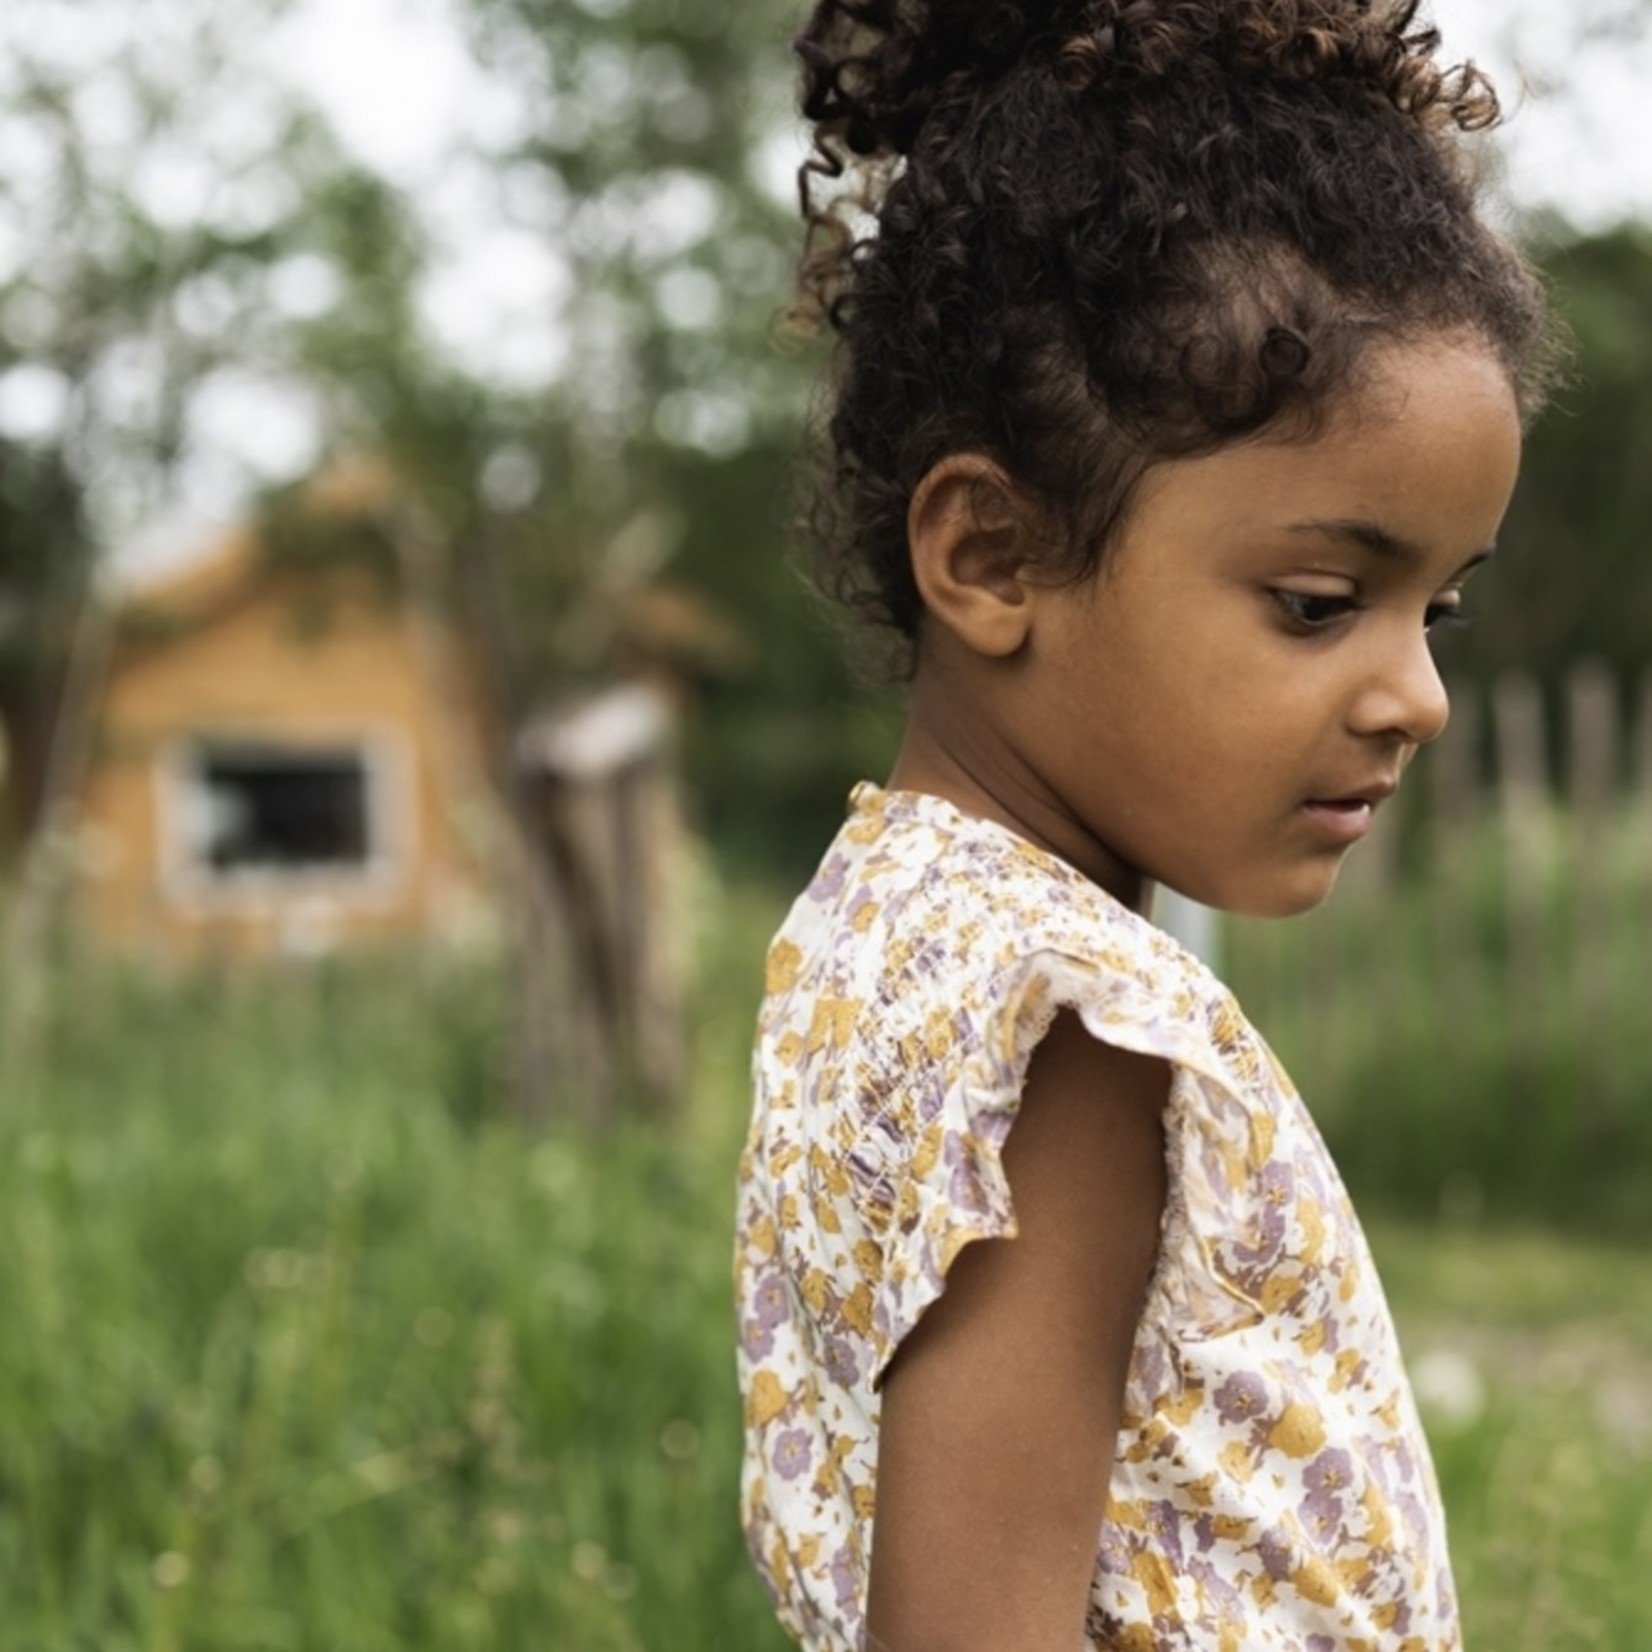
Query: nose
x: 1406, y: 693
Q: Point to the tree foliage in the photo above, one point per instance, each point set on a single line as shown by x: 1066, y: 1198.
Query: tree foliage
x: 1572, y: 576
x: 154, y: 274
x: 155, y: 219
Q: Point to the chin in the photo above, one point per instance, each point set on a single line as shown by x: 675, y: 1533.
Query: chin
x: 1307, y: 887
x: 1311, y: 888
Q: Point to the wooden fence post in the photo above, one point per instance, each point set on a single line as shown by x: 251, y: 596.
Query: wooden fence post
x: 1456, y: 800
x: 1643, y: 743
x: 599, y: 777
x: 1456, y: 809
x: 1592, y: 789
x: 1640, y: 826
x: 1517, y: 709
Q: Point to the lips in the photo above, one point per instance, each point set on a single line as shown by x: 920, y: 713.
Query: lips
x: 1372, y: 793
x: 1347, y: 822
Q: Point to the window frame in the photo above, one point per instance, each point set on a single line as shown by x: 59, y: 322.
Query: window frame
x: 189, y: 883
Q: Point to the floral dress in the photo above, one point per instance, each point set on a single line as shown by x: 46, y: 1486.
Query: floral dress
x: 1272, y: 1486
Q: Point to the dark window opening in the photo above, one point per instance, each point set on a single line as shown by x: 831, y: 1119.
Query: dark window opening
x: 269, y: 807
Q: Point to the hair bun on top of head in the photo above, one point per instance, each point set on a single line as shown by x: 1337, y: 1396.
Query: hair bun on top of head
x: 887, y: 81
x: 875, y: 70
x: 1288, y: 40
x: 876, y: 74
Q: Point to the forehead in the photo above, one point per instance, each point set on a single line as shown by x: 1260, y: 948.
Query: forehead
x: 1427, y: 452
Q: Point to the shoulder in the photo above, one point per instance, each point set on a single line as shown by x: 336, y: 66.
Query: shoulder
x: 935, y: 893
x: 940, y: 946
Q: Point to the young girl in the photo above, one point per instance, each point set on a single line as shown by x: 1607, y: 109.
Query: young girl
x: 1179, y: 388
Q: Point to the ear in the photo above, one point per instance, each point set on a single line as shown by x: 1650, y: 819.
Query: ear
x: 967, y: 535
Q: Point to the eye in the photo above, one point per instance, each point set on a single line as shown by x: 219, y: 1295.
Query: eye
x: 1312, y: 622
x: 1453, y: 615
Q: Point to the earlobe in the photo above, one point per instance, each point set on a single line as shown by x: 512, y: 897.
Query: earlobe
x: 967, y: 538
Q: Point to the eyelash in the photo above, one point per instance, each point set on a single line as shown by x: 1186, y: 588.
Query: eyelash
x: 1452, y: 615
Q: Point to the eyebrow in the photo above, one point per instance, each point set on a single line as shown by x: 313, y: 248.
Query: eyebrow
x: 1367, y: 536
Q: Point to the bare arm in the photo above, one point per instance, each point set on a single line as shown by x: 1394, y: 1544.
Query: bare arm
x: 1001, y: 1406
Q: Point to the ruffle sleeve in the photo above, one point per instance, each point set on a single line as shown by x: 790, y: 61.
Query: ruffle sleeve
x: 927, y: 1168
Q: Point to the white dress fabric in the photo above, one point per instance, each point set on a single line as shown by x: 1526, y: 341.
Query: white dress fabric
x: 1272, y: 1486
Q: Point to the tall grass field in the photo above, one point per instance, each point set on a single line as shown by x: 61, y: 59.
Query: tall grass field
x: 307, y: 1346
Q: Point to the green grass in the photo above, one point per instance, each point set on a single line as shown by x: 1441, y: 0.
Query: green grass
x: 305, y: 1345
x: 1541, y: 1430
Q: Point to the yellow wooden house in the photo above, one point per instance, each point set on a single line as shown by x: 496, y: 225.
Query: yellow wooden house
x: 280, y: 759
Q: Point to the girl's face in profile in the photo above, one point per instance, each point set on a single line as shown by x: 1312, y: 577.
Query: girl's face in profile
x: 1263, y: 637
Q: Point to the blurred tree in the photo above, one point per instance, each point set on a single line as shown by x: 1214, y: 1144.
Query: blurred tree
x: 658, y: 146
x: 159, y: 267
x: 662, y: 140
x: 1572, y: 576
x: 44, y: 545
x: 158, y: 226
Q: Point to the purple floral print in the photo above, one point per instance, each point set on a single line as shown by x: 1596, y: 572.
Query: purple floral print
x: 1272, y: 1489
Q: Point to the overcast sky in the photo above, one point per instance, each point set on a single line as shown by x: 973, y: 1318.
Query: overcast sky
x: 396, y: 79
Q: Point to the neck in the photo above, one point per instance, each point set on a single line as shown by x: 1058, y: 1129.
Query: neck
x: 977, y: 774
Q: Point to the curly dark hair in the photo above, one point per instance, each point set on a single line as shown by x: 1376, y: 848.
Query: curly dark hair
x: 1085, y: 235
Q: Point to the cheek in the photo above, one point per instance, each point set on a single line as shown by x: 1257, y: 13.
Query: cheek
x: 1195, y: 694
x: 1225, y: 695
x: 1236, y: 737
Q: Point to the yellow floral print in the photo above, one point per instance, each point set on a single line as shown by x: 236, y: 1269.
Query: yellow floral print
x: 1272, y: 1487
